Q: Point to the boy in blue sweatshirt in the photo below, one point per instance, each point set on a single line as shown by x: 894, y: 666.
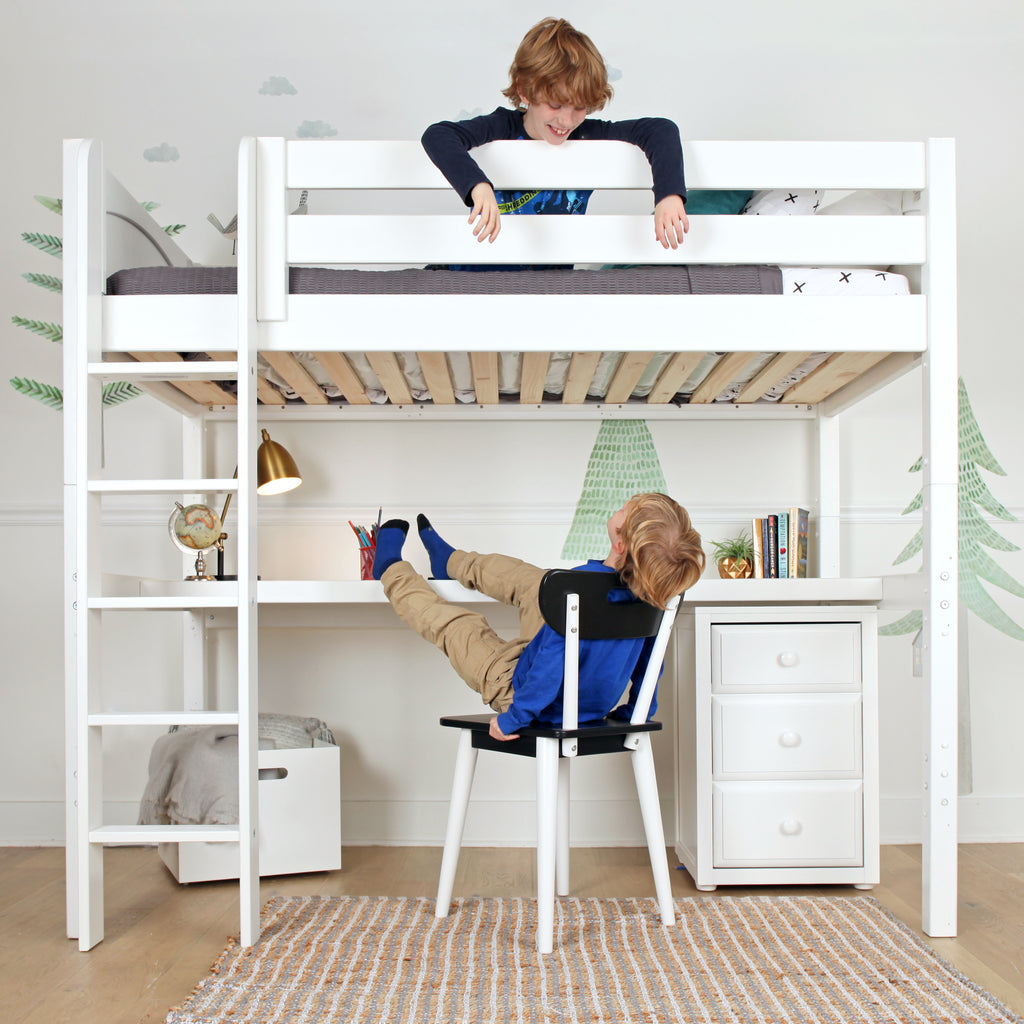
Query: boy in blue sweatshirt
x: 655, y: 550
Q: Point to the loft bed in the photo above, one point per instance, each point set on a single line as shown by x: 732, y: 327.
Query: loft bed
x: 256, y: 341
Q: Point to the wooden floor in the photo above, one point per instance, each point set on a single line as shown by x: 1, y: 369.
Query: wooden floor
x: 161, y: 938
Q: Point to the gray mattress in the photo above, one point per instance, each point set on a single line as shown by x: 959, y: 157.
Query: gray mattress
x: 689, y: 280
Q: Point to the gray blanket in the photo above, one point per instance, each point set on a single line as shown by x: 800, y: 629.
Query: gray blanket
x: 193, y: 770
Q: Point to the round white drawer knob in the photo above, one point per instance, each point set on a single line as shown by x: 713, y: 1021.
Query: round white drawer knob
x: 789, y: 738
x: 791, y: 827
x: 787, y: 659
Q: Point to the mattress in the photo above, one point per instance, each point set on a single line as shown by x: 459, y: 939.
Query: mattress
x: 682, y: 280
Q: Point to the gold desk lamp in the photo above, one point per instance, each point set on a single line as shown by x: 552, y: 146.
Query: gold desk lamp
x: 276, y: 473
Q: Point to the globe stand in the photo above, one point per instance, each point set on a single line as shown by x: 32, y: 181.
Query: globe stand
x: 200, y: 567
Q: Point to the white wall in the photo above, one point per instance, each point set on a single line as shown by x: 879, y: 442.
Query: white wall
x: 138, y: 75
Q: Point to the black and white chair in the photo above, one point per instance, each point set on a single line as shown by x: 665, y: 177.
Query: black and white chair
x: 579, y: 605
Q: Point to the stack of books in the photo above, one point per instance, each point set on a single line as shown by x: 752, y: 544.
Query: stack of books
x: 780, y: 544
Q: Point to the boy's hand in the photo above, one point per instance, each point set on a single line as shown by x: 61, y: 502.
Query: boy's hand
x: 670, y: 222
x: 497, y: 734
x: 485, y: 213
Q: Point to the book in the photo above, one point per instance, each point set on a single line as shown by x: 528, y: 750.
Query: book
x: 783, y: 545
x: 772, y: 522
x: 755, y: 535
x: 799, y: 519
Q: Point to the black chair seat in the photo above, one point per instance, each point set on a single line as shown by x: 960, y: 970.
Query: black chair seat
x: 601, y: 737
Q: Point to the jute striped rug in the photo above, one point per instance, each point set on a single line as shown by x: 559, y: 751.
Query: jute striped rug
x: 732, y: 960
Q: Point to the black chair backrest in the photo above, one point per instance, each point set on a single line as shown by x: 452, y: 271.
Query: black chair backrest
x: 607, y: 608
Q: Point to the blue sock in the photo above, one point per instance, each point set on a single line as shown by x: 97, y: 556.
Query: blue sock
x: 439, y: 550
x: 390, y: 538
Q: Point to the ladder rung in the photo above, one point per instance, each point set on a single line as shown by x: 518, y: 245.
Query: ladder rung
x: 167, y: 718
x: 186, y: 370
x: 199, y: 486
x: 164, y: 834
x: 193, y: 601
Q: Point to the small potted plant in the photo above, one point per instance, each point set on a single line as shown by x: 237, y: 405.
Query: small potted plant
x: 735, y: 557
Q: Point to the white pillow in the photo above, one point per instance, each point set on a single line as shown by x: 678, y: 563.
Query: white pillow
x: 873, y: 203
x: 784, y: 202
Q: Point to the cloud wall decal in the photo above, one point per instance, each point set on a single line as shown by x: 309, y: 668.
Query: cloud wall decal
x: 315, y: 130
x: 277, y: 85
x: 163, y: 154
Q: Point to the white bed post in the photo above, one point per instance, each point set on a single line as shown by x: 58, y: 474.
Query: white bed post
x: 248, y: 679
x: 940, y: 477
x: 83, y: 286
x: 73, y: 282
x: 828, y: 455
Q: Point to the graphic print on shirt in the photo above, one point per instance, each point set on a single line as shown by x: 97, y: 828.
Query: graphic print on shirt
x: 545, y: 201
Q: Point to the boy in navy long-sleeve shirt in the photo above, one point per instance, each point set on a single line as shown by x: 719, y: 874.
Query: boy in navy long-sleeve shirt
x: 556, y: 79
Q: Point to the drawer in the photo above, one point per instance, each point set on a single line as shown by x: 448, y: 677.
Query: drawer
x: 299, y: 794
x: 788, y: 824
x: 783, y: 736
x: 789, y: 656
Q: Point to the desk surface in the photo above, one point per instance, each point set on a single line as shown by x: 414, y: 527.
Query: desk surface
x: 370, y: 592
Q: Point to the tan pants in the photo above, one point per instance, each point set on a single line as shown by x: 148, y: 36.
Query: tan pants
x: 482, y: 658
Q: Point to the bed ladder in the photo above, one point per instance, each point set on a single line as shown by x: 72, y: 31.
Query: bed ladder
x: 92, y: 599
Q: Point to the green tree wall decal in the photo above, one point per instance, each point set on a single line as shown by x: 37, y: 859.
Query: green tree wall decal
x: 975, y: 533
x: 623, y: 462
x: 114, y: 393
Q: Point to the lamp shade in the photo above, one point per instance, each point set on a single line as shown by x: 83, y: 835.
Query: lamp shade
x: 276, y: 471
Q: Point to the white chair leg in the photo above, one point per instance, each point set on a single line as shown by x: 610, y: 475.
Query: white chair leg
x: 547, y: 827
x: 562, y: 827
x: 462, y: 783
x: 650, y: 808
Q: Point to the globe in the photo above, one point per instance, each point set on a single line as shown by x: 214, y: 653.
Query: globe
x: 194, y: 527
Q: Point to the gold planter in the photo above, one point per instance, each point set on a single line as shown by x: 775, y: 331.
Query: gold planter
x: 735, y: 568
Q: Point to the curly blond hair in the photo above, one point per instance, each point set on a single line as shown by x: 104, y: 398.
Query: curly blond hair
x: 557, y: 63
x: 662, y: 557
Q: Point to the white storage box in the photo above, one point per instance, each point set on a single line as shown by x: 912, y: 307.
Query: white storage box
x: 299, y: 826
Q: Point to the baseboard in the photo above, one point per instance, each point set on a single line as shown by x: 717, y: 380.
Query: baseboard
x: 36, y: 823
x: 493, y: 823
x: 511, y: 823
x: 980, y: 819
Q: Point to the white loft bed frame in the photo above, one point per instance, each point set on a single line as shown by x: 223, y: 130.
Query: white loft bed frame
x: 101, y: 331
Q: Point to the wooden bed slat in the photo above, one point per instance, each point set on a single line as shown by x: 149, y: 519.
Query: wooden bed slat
x: 627, y: 375
x: 339, y: 369
x: 581, y: 373
x: 437, y: 376
x: 204, y: 392
x: 722, y: 374
x: 533, y: 377
x: 836, y: 372
x: 783, y: 363
x: 265, y: 391
x: 385, y: 365
x: 673, y: 376
x: 297, y: 377
x: 485, y: 376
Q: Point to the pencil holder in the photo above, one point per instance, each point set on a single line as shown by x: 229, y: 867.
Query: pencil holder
x: 366, y: 562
